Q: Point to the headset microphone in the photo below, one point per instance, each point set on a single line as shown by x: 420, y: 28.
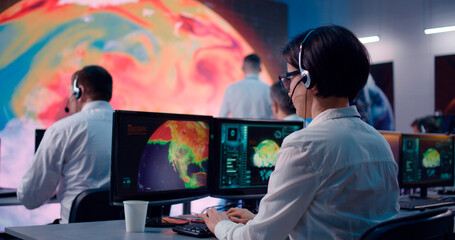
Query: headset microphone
x: 301, y: 80
x: 291, y: 105
x: 67, y: 110
x: 76, y: 93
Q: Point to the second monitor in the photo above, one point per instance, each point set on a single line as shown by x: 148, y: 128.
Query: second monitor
x: 426, y: 160
x: 245, y: 156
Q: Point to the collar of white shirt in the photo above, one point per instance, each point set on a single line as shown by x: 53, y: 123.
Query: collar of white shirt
x: 97, y: 104
x: 251, y: 76
x: 333, y: 113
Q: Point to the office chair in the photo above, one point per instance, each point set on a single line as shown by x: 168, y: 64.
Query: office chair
x: 429, y: 225
x: 93, y: 205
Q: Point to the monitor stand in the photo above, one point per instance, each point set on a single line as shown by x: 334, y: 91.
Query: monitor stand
x: 155, y: 217
x: 423, y: 194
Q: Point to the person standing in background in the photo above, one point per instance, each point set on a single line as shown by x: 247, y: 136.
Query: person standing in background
x: 75, y: 152
x: 248, y: 98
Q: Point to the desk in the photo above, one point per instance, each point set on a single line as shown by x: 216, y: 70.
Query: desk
x: 9, y: 201
x: 111, y: 230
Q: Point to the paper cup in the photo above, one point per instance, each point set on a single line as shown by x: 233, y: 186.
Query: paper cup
x: 135, y: 213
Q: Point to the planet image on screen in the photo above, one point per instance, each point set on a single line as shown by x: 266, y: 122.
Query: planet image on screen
x: 265, y: 157
x: 175, y: 157
x: 431, y: 158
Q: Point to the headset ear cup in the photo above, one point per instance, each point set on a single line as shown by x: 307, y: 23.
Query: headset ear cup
x: 77, y: 92
x: 306, y: 79
x: 76, y: 89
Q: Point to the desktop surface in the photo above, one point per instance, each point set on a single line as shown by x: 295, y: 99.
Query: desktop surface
x: 112, y: 230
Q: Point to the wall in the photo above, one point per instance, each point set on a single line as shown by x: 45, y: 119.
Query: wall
x: 164, y: 56
x: 400, y: 25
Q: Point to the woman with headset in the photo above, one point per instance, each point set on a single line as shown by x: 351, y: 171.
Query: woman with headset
x: 335, y: 178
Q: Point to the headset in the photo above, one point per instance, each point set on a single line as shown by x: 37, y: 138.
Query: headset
x: 76, y: 89
x: 76, y: 92
x: 304, y: 74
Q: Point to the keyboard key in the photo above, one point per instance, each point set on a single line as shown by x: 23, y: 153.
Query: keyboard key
x: 199, y: 230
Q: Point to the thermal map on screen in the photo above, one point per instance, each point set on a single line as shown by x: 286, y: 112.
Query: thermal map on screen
x: 159, y: 156
x: 427, y: 159
x: 175, y: 156
x: 248, y: 153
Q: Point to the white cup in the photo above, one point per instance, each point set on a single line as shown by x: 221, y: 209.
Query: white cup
x: 135, y: 213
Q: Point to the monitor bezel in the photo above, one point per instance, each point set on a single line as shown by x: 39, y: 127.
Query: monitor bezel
x: 400, y: 137
x: 449, y: 120
x: 426, y: 184
x: 39, y: 134
x: 238, y: 193
x: 161, y: 197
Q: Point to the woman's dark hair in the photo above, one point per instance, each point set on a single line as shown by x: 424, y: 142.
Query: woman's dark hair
x: 337, y: 61
x: 97, y: 82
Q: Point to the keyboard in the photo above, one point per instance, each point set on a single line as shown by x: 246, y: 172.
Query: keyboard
x: 199, y: 230
x: 414, y: 204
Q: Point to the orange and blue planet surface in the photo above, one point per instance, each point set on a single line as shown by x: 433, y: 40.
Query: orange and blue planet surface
x: 165, y: 56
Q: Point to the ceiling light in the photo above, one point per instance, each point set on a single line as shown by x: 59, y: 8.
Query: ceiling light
x: 369, y: 39
x: 439, y: 30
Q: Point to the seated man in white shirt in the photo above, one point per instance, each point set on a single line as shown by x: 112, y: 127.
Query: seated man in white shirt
x: 282, y: 107
x: 75, y: 152
x: 335, y: 178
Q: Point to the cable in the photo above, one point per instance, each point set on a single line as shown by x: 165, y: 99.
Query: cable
x: 304, y: 116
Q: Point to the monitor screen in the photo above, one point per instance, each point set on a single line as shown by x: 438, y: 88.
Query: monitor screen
x: 245, y: 156
x: 445, y: 124
x: 39, y: 133
x: 427, y: 160
x: 158, y: 157
x: 394, y: 140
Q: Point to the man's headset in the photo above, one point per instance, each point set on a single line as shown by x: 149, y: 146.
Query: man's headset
x: 76, y: 89
x: 76, y: 93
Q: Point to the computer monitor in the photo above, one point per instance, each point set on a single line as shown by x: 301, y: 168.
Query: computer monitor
x: 39, y: 133
x: 426, y: 160
x: 245, y: 156
x: 445, y: 124
x: 158, y: 157
x: 394, y: 140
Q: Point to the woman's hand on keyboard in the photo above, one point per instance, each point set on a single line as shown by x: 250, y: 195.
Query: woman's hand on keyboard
x: 240, y: 215
x: 213, y: 217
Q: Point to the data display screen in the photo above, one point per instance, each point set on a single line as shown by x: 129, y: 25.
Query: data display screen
x: 247, y: 153
x: 426, y: 160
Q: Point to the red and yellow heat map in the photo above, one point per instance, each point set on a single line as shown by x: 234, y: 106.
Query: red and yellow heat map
x: 189, y: 144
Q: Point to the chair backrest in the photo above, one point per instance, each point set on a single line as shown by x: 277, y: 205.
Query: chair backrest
x: 93, y: 205
x: 429, y: 225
